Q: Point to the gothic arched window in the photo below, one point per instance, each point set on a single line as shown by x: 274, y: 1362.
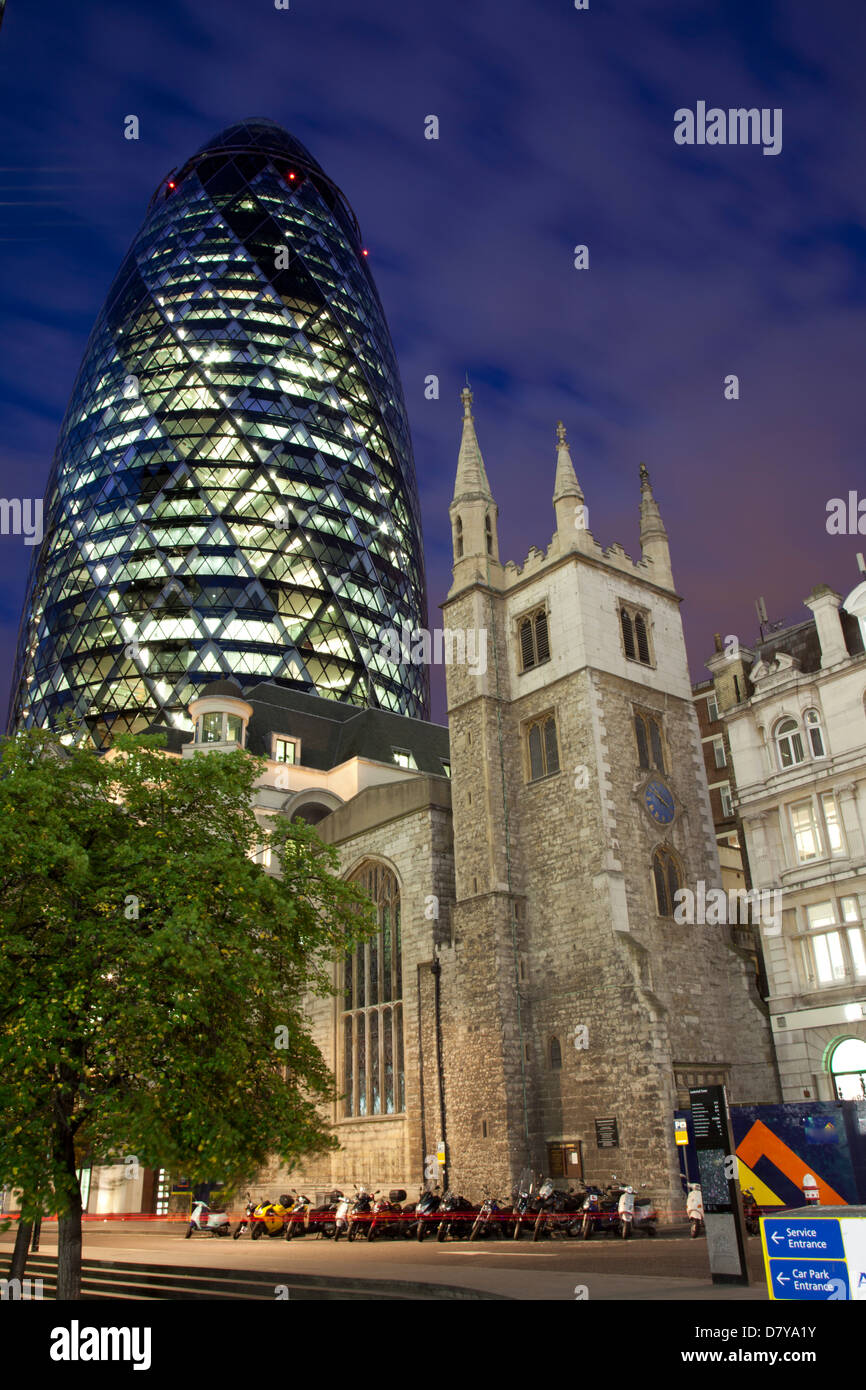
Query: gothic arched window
x: 668, y: 879
x: 534, y: 641
x: 371, y: 1023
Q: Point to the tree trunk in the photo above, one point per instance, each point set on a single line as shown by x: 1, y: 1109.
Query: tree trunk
x: 19, y: 1253
x: 68, y: 1225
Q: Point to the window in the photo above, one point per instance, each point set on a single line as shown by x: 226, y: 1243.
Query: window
x: 627, y: 634
x: 648, y: 736
x: 285, y: 750
x: 815, y: 824
x: 219, y: 727
x: 807, y: 834
x: 848, y: 1069
x: 533, y: 640
x: 403, y: 758
x: 813, y: 729
x: 371, y: 1021
x: 668, y: 879
x: 726, y: 799
x: 719, y: 752
x: 555, y: 1055
x: 446, y: 767
x: 833, y: 956
x: 458, y: 537
x: 789, y: 743
x: 635, y: 635
x: 712, y: 709
x: 543, y: 748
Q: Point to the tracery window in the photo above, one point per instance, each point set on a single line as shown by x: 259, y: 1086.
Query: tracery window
x: 668, y: 879
x: 371, y: 1018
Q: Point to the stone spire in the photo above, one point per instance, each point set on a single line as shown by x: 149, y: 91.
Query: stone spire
x: 567, y: 495
x: 473, y: 511
x: 653, y: 536
x: 471, y: 481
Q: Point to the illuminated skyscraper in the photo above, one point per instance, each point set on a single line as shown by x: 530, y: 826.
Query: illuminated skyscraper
x: 233, y: 493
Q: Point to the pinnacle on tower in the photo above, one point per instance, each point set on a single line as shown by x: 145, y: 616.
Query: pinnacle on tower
x: 653, y: 536
x: 471, y: 480
x: 473, y: 511
x: 567, y: 495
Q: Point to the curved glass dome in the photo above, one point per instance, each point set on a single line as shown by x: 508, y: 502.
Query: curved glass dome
x: 233, y: 493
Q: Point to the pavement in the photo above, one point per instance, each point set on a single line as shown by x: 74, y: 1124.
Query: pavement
x: 564, y: 1269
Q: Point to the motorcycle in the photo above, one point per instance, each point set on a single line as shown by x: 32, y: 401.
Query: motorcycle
x: 425, y: 1210
x: 490, y: 1220
x: 455, y: 1213
x: 244, y: 1222
x: 207, y: 1222
x: 695, y: 1211
x: 324, y: 1217
x: 387, y: 1215
x: 269, y: 1218
x: 600, y: 1212
x: 553, y: 1204
x: 526, y: 1201
x: 298, y: 1218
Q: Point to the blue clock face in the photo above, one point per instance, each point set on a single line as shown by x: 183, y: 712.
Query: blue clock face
x: 659, y: 801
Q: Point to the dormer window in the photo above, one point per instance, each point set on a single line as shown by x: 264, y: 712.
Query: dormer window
x: 403, y: 758
x: 219, y: 727
x: 285, y: 750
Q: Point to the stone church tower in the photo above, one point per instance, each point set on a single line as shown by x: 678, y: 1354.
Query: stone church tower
x: 570, y: 996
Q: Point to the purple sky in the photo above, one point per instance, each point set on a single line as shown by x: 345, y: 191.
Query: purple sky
x: 556, y: 128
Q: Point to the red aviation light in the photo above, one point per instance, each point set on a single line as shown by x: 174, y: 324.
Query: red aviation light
x: 291, y: 176
x: 365, y: 252
x: 172, y: 184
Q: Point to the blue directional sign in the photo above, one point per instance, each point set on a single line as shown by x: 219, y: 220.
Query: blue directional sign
x: 798, y: 1237
x: 810, y: 1279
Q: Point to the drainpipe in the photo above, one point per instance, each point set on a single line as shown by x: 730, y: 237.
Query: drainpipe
x: 437, y: 1003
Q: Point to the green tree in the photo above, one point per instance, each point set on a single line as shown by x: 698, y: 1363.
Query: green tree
x: 152, y: 974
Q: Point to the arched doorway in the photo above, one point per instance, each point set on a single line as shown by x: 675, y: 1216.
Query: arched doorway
x: 847, y: 1066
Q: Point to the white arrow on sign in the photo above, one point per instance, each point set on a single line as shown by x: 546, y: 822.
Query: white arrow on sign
x: 776, y: 1237
x: 782, y: 1279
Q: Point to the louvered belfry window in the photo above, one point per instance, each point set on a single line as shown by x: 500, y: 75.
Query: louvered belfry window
x: 534, y: 640
x: 635, y: 636
x: 371, y: 1025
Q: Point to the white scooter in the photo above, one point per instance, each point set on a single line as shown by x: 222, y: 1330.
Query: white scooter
x: 207, y: 1222
x: 341, y: 1216
x: 626, y: 1212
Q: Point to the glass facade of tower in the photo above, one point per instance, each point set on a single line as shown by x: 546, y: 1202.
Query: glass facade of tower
x: 233, y: 493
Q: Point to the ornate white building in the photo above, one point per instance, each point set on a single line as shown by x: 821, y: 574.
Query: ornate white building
x: 794, y: 711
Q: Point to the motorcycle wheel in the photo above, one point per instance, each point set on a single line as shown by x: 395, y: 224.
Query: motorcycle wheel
x: 419, y: 1231
x: 371, y: 1233
x: 476, y: 1230
x: 626, y: 1230
x: 236, y: 1234
x: 189, y: 1230
x: 586, y: 1230
x: 256, y: 1231
x: 538, y: 1227
x: 352, y: 1231
x: 443, y: 1231
x: 516, y: 1233
x: 223, y: 1230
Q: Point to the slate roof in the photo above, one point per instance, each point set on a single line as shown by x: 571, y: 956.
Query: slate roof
x: 330, y: 732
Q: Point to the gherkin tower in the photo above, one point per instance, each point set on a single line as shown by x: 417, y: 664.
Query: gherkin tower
x: 233, y: 492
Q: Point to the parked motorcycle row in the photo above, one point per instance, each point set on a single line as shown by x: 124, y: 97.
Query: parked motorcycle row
x: 538, y: 1210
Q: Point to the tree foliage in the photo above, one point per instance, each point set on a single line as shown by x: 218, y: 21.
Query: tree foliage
x: 152, y: 974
